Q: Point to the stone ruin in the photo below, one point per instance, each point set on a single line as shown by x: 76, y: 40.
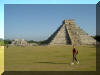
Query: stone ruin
x: 17, y: 42
x: 22, y: 42
x: 67, y: 34
x: 70, y: 34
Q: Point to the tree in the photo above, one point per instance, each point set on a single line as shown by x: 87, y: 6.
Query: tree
x: 7, y: 41
x: 31, y: 41
x: 97, y: 37
x: 1, y: 43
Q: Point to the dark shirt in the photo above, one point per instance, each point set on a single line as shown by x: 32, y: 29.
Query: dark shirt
x: 74, y: 51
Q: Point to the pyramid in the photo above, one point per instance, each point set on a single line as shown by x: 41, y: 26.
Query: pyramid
x: 70, y: 34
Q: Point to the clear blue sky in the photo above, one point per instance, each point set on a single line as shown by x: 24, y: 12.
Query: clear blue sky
x: 38, y: 22
x: 2, y: 2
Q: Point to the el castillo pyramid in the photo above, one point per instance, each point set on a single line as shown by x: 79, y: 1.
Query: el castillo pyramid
x: 70, y: 34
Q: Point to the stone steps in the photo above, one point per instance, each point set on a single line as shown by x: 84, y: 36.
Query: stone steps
x: 70, y: 32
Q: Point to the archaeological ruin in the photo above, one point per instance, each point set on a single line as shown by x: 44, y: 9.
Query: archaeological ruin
x: 18, y: 42
x: 70, y: 34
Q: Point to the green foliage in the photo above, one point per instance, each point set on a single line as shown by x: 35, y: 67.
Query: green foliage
x: 31, y: 41
x: 1, y: 43
x: 44, y: 42
x: 7, y: 41
x: 97, y: 37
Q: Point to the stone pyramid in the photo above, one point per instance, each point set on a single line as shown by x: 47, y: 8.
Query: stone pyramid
x: 70, y: 34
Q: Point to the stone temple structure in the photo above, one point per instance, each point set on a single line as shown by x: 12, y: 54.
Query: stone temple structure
x: 19, y: 42
x: 22, y: 42
x: 70, y: 34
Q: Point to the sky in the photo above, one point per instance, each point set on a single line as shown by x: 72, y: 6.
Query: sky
x: 38, y: 22
x: 98, y: 19
x: 48, y: 23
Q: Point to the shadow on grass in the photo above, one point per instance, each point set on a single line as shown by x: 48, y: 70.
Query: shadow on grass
x: 51, y: 63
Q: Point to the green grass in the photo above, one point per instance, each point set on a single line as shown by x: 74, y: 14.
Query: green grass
x: 49, y: 58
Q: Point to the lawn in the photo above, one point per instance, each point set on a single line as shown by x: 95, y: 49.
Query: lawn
x: 1, y: 59
x: 49, y: 58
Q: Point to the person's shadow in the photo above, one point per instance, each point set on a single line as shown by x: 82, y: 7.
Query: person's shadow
x: 52, y: 63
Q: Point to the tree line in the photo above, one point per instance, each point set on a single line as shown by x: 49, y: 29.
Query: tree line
x: 7, y: 41
x: 97, y: 37
x: 1, y: 42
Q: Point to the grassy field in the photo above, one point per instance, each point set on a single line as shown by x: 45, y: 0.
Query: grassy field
x: 49, y: 58
x: 1, y: 59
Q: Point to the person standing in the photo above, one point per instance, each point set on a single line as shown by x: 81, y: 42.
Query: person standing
x: 75, y: 53
x: 7, y: 45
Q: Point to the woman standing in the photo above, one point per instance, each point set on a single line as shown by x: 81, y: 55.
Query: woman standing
x: 75, y: 53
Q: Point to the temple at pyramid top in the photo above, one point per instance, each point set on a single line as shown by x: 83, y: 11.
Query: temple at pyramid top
x: 71, y: 21
x: 70, y: 34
